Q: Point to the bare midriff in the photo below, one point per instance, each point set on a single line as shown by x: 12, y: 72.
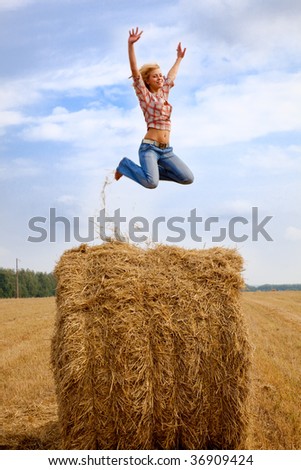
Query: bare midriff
x: 158, y: 135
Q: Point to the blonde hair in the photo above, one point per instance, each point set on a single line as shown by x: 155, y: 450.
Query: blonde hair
x: 145, y: 71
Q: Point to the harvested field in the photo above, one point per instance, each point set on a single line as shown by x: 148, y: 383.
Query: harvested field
x: 29, y: 410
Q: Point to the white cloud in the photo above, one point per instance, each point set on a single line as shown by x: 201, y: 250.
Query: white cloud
x: 84, y: 76
x: 273, y: 158
x: 225, y: 113
x: 239, y: 207
x: 18, y: 168
x: 75, y: 79
x: 227, y: 39
x: 18, y: 92
x: 87, y: 128
x: 67, y: 199
x: 10, y: 118
x: 254, y: 107
x: 253, y: 23
x: 3, y: 251
x: 15, y: 4
x: 293, y: 233
x: 16, y: 95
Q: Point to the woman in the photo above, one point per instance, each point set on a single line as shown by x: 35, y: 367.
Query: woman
x: 157, y: 160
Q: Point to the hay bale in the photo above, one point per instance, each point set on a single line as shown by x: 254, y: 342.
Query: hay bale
x: 150, y: 349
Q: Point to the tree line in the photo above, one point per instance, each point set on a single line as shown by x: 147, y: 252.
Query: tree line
x: 30, y: 283
x: 38, y: 284
x: 273, y: 287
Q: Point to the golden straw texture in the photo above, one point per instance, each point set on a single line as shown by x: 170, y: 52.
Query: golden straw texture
x: 150, y: 349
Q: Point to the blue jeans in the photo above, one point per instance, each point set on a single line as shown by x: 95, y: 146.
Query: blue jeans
x: 156, y: 164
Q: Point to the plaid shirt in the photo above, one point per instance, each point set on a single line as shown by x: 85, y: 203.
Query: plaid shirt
x: 155, y: 107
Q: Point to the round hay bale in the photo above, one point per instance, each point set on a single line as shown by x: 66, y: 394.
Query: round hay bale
x: 150, y: 349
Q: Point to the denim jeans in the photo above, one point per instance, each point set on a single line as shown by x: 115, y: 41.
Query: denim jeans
x: 156, y: 164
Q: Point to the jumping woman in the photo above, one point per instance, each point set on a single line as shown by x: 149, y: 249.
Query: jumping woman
x: 157, y: 160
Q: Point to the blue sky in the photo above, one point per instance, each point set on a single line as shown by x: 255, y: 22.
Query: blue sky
x: 68, y: 114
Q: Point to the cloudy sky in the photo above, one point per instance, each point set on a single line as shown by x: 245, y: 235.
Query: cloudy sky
x: 68, y: 114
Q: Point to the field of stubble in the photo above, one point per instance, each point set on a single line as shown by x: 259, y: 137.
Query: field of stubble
x: 29, y: 412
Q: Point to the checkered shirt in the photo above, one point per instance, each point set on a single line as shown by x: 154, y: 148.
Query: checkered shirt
x: 155, y: 107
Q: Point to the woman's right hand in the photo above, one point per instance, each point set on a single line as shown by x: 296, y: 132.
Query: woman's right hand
x: 134, y: 36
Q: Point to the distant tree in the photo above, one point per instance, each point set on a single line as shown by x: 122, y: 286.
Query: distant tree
x: 31, y: 284
x: 273, y: 287
x: 47, y: 284
x: 7, y: 283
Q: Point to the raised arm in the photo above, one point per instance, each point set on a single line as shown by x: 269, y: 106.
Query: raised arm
x: 134, y: 36
x: 174, y: 69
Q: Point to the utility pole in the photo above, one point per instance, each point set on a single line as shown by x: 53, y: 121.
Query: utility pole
x: 17, y: 278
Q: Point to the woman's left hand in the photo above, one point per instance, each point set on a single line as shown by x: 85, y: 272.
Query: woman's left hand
x: 180, y: 51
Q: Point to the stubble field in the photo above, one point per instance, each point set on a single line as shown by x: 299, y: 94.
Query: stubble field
x: 29, y: 411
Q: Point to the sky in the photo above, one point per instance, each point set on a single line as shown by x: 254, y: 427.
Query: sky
x: 68, y: 114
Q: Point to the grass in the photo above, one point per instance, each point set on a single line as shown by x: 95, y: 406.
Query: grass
x: 28, y: 395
